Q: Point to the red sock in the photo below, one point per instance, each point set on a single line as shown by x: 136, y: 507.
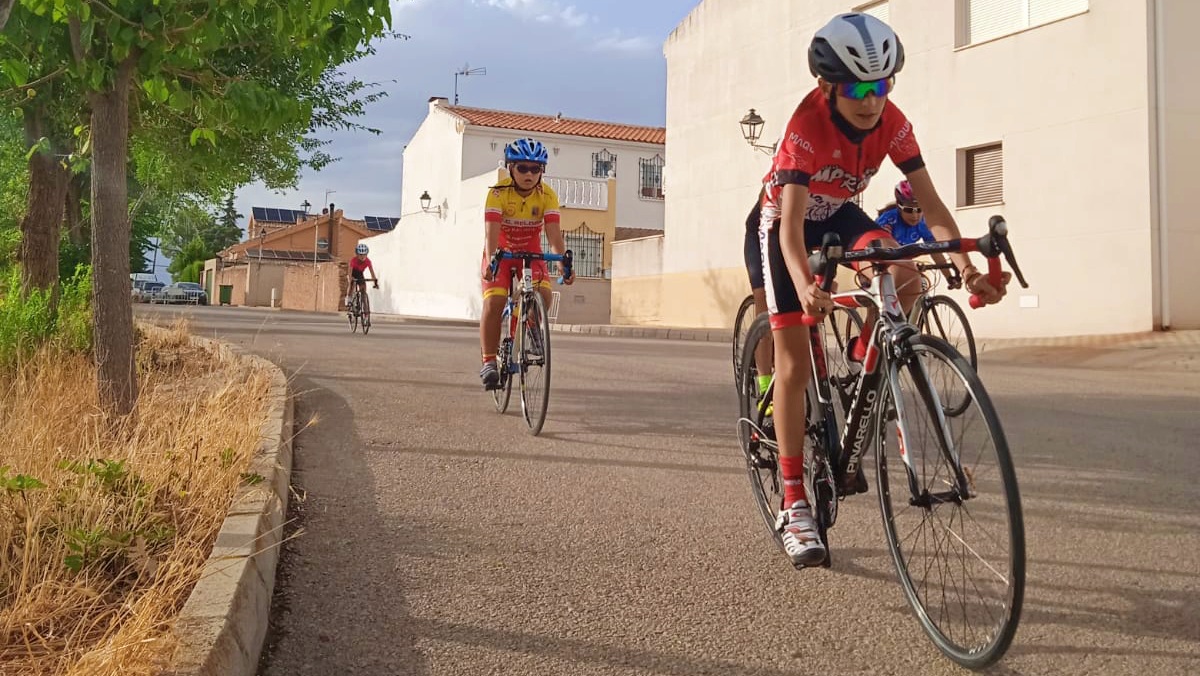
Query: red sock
x: 489, y: 357
x: 792, y: 467
x: 858, y: 350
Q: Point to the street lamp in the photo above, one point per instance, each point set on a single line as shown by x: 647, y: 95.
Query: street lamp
x: 752, y: 125
x: 426, y: 201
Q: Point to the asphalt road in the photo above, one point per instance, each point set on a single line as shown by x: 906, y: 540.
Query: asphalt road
x: 438, y: 537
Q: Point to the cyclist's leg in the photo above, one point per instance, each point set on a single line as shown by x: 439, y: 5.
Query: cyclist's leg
x: 753, y: 253
x: 366, y: 302
x: 854, y: 226
x: 495, y: 294
x: 792, y: 371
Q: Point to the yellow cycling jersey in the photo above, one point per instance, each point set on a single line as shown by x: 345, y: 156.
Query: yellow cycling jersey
x: 521, y: 219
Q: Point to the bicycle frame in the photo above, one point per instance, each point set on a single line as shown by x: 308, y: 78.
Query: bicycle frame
x: 520, y: 292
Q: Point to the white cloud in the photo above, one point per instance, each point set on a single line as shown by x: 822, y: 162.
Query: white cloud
x: 625, y: 45
x: 544, y: 11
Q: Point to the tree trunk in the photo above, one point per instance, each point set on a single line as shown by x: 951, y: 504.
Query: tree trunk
x: 5, y: 7
x: 74, y: 209
x: 112, y: 311
x: 43, y: 216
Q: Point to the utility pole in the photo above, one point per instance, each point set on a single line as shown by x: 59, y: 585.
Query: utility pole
x: 466, y: 70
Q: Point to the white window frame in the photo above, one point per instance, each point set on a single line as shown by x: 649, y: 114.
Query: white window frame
x: 872, y: 8
x: 962, y: 20
x: 964, y: 176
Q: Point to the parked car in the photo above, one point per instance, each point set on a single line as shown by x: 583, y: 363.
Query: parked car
x: 181, y: 292
x: 145, y: 291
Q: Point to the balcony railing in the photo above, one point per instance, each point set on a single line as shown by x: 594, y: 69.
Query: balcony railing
x: 580, y: 193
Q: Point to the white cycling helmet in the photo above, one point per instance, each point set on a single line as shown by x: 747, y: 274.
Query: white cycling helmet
x: 855, y: 47
x: 361, y: 249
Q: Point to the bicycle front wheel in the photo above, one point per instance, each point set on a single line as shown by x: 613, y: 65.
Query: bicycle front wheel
x: 741, y: 328
x: 533, y: 354
x: 352, y: 316
x: 950, y: 505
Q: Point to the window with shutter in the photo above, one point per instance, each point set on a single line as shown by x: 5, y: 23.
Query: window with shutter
x: 984, y: 175
x: 986, y: 19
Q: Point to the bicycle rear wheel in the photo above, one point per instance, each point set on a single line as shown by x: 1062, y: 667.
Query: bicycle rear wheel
x: 741, y: 328
x: 756, y: 435
x: 533, y: 354
x: 756, y: 432
x: 950, y: 504
x: 502, y: 394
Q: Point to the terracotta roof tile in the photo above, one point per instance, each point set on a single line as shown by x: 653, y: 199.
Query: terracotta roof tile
x: 549, y: 124
x: 623, y: 233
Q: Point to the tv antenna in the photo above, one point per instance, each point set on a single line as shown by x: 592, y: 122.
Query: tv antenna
x: 466, y: 70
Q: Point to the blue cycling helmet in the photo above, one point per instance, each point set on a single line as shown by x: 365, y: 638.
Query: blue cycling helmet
x: 526, y: 150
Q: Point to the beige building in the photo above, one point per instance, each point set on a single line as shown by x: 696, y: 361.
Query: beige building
x: 291, y: 259
x: 1075, y: 119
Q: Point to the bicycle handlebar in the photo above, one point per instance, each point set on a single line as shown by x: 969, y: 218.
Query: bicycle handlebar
x: 993, y: 245
x: 567, y: 259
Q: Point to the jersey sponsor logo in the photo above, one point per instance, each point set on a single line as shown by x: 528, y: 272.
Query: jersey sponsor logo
x: 800, y: 143
x: 834, y: 174
x: 510, y: 211
x: 903, y: 134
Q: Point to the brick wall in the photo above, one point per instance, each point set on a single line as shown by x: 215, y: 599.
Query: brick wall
x: 320, y: 290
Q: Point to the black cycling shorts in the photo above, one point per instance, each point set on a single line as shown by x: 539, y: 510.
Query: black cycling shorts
x: 851, y: 224
x: 752, y: 251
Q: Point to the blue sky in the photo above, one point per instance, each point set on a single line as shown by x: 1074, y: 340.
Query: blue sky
x: 597, y: 59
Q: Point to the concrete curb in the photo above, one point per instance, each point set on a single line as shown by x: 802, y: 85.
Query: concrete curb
x: 223, y: 625
x: 653, y: 332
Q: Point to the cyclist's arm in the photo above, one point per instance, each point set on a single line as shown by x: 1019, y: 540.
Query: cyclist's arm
x: 791, y: 234
x: 371, y: 267
x: 937, y: 216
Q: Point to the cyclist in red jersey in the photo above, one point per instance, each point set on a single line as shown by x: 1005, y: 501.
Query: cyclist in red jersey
x: 834, y: 143
x: 359, y: 264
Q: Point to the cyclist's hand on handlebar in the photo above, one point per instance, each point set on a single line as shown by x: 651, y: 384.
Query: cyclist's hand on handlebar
x: 816, y: 303
x: 977, y: 283
x: 565, y: 279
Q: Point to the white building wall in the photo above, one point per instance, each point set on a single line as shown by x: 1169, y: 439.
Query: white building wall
x: 431, y: 267
x: 433, y: 162
x: 574, y: 160
x: 1065, y: 147
x: 1181, y: 141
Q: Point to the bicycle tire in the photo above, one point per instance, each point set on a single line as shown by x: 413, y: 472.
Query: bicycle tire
x: 503, y: 393
x: 1008, y: 567
x: 741, y: 327
x: 534, y: 327
x: 352, y: 315
x: 937, y: 319
x: 366, y: 324
x: 756, y: 435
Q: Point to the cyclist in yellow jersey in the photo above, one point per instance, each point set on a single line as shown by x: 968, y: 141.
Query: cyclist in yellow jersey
x: 516, y: 211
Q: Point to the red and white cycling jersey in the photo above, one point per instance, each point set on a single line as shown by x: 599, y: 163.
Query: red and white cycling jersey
x: 835, y: 163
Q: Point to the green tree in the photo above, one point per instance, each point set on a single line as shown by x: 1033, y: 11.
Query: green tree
x: 172, y: 54
x: 187, y: 262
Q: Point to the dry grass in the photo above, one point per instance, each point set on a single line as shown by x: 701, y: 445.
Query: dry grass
x: 96, y: 561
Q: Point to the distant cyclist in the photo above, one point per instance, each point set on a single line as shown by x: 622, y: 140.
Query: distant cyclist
x: 358, y: 267
x: 905, y: 220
